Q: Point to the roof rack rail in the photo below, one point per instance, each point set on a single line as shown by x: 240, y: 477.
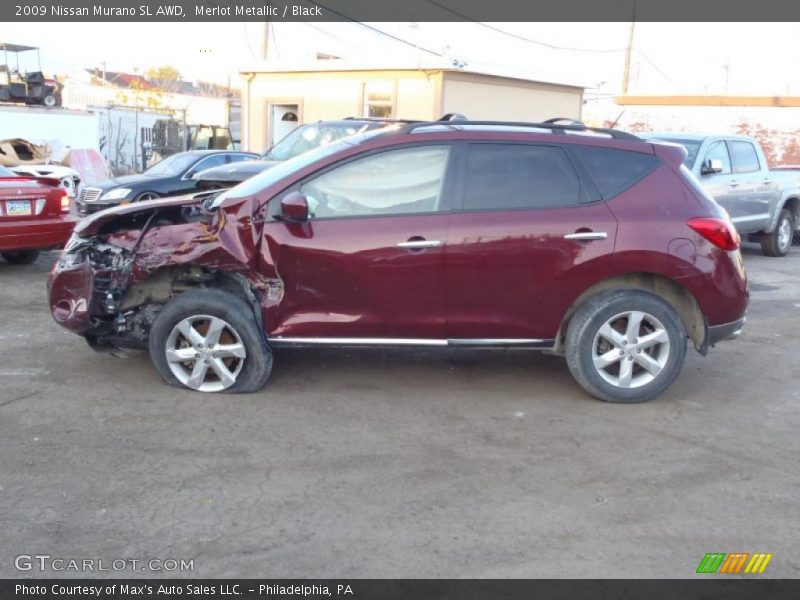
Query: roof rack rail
x: 554, y: 125
x: 382, y: 120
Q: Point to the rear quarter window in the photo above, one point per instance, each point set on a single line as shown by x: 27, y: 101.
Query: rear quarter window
x: 614, y: 171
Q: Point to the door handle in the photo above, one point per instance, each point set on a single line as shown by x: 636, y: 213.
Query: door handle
x: 734, y: 184
x: 586, y: 236
x: 418, y: 244
x: 766, y: 181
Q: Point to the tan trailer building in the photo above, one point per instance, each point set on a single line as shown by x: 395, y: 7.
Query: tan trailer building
x: 278, y: 98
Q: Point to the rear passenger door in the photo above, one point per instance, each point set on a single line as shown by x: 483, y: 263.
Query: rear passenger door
x: 528, y: 234
x: 749, y: 200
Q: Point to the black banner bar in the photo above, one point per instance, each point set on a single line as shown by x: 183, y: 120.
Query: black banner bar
x: 398, y: 10
x: 712, y: 588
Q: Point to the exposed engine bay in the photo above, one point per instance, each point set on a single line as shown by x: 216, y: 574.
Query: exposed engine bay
x: 121, y: 266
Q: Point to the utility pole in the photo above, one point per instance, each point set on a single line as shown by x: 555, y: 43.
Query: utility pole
x: 727, y: 67
x: 265, y: 40
x: 626, y: 74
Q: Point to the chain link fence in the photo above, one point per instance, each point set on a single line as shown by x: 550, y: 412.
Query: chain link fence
x: 133, y: 139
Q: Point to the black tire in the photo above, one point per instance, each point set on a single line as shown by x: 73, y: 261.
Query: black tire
x: 581, y: 338
x: 50, y: 101
x: 223, y: 305
x: 771, y: 243
x: 21, y: 257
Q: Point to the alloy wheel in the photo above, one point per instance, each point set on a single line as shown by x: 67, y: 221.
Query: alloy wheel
x: 205, y: 353
x: 784, y: 234
x: 630, y: 349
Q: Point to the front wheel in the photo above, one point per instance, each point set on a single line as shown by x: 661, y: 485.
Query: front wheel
x: 146, y: 196
x: 625, y: 346
x: 208, y: 340
x: 779, y: 241
x: 21, y: 257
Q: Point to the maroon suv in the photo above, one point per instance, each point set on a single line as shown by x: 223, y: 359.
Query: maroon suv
x: 590, y: 243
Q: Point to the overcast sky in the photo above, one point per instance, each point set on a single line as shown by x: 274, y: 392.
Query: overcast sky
x: 669, y: 58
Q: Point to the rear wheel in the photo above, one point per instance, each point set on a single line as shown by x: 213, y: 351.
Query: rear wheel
x: 208, y: 340
x: 21, y: 257
x: 779, y: 241
x: 50, y: 101
x: 625, y: 346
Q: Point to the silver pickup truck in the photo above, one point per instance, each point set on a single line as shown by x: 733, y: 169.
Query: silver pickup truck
x: 764, y: 205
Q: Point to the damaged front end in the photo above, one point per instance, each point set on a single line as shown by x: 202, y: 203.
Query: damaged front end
x: 122, y: 265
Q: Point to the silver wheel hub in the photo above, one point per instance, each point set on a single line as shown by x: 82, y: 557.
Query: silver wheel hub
x: 630, y: 349
x: 784, y: 233
x: 205, y: 353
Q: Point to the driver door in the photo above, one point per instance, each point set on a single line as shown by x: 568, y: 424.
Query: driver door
x: 368, y: 265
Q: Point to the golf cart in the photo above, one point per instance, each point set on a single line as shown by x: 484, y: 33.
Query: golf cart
x: 29, y: 87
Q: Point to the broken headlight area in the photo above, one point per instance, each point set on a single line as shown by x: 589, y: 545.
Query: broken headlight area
x: 100, y: 255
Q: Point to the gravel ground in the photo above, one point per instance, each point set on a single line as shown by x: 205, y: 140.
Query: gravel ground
x: 400, y: 464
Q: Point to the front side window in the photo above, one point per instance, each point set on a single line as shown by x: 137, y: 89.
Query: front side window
x: 513, y: 176
x: 172, y: 166
x: 744, y: 157
x: 379, y: 99
x: 719, y: 151
x: 233, y: 158
x: 396, y: 182
x: 216, y: 160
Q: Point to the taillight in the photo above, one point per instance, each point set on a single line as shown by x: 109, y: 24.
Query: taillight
x: 719, y: 232
x: 65, y: 203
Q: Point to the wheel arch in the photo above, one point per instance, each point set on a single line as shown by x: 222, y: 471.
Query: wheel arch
x: 149, y: 192
x: 680, y: 298
x: 166, y: 283
x: 792, y: 204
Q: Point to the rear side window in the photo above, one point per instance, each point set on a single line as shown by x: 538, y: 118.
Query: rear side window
x: 744, y: 157
x: 514, y: 176
x: 614, y: 171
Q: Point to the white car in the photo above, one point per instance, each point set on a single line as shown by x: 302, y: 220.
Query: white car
x: 70, y: 179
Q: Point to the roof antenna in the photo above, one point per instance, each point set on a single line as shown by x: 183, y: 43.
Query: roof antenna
x: 619, y: 116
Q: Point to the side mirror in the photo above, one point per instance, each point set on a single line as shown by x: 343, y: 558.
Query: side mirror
x: 711, y: 166
x: 294, y: 208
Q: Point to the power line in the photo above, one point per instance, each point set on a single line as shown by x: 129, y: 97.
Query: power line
x: 659, y: 71
x: 378, y: 31
x: 521, y: 37
x: 247, y: 39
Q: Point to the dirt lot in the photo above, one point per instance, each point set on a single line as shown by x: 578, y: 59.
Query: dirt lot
x: 398, y: 464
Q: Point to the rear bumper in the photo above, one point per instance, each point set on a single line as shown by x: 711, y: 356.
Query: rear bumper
x: 726, y: 331
x: 36, y: 234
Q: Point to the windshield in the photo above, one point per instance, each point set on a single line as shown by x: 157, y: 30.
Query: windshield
x: 692, y: 148
x: 273, y: 175
x: 311, y: 136
x: 172, y: 166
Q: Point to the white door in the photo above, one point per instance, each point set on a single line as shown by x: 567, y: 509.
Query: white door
x: 284, y: 119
